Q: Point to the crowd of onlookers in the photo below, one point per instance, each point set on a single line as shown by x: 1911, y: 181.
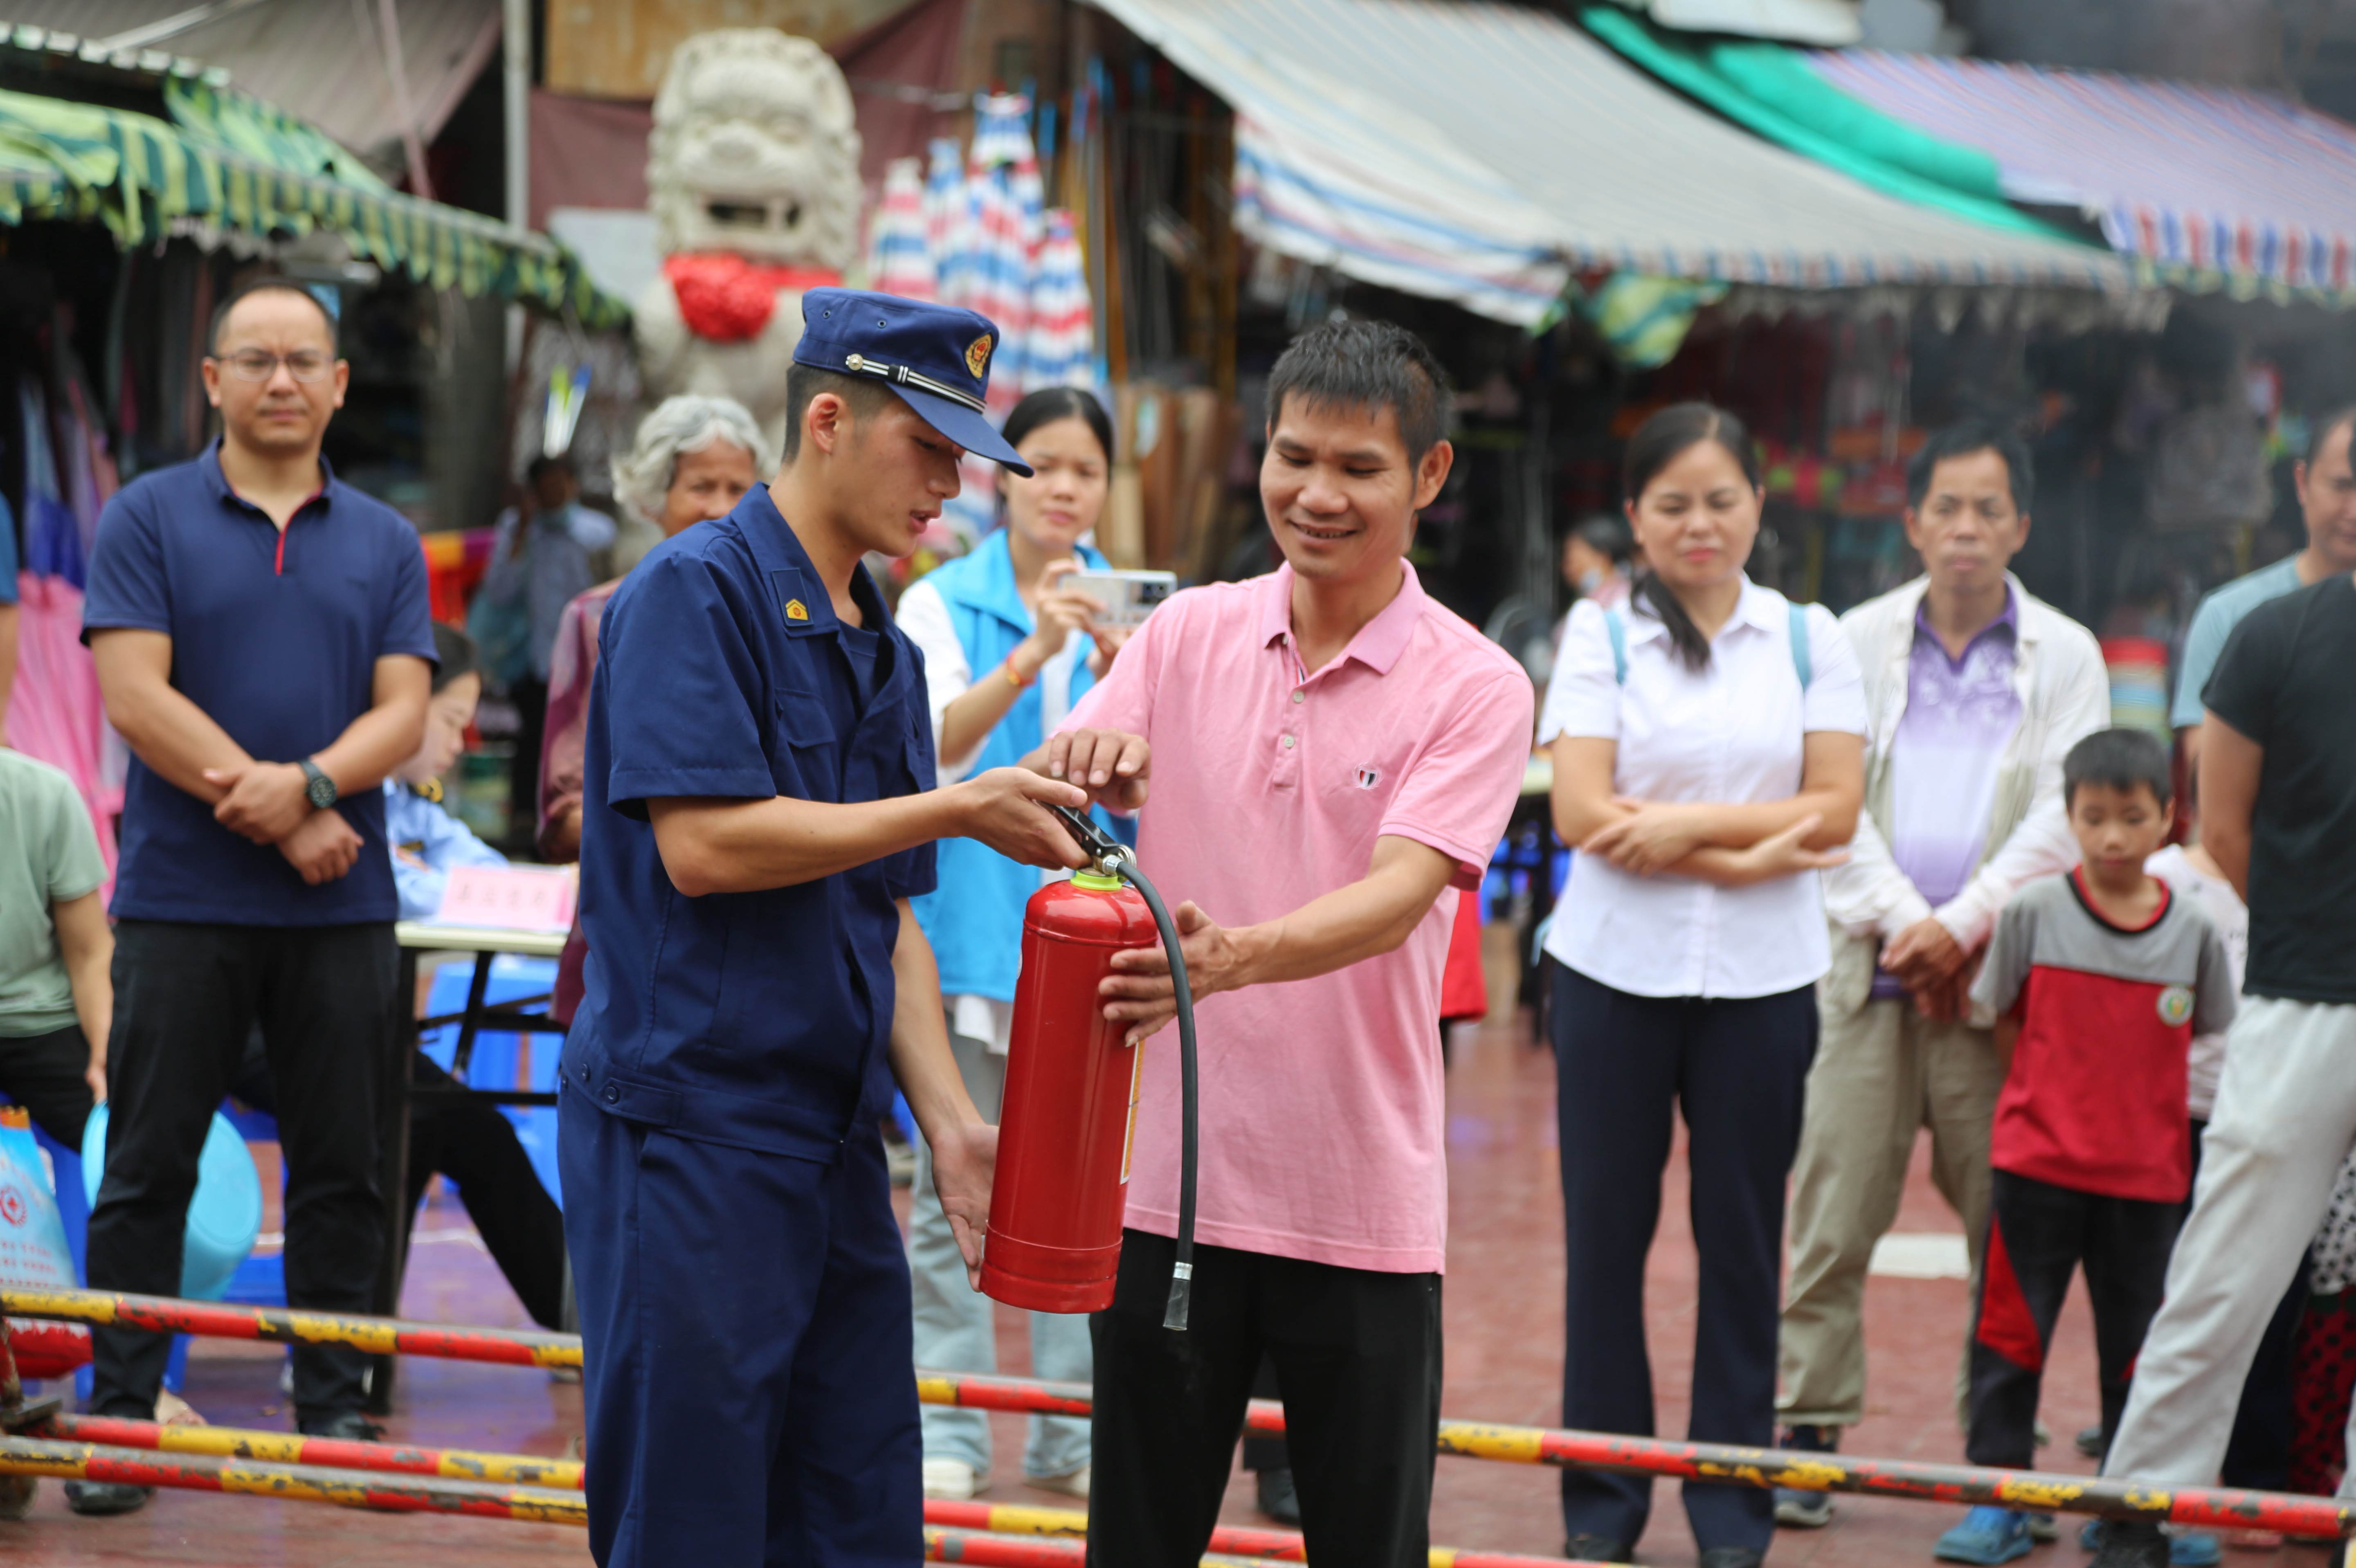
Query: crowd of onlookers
x: 1841, y: 883
x: 1837, y: 880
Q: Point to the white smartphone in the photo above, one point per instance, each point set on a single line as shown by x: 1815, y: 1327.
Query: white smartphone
x: 1127, y: 597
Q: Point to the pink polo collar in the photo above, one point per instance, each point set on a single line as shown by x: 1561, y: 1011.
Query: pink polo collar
x: 1378, y: 643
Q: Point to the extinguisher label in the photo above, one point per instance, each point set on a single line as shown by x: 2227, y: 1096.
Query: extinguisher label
x: 1128, y: 1134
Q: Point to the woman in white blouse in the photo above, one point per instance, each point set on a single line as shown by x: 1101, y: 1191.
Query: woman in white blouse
x: 1707, y: 742
x: 1007, y: 649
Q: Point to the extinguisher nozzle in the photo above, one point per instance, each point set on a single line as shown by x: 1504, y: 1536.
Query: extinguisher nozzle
x: 1182, y: 1287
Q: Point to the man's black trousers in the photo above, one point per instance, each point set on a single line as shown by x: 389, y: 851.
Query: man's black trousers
x: 186, y: 999
x: 2038, y: 1235
x: 1356, y: 1355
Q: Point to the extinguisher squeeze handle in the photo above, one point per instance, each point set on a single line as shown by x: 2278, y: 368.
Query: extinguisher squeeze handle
x: 1097, y: 845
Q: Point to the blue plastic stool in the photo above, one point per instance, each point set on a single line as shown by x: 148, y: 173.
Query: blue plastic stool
x: 224, y: 1213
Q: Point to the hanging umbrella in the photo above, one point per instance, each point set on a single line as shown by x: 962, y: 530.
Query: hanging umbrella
x: 943, y: 207
x: 1060, y: 349
x: 899, y: 256
x: 1000, y: 235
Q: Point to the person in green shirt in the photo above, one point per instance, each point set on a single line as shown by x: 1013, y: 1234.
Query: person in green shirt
x: 56, y: 999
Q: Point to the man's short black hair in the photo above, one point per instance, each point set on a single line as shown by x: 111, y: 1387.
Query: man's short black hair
x: 864, y: 393
x: 267, y: 282
x: 2119, y: 759
x: 1961, y: 439
x: 544, y: 464
x: 1353, y: 363
x: 454, y: 655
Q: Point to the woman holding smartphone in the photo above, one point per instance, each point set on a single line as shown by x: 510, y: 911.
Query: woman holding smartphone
x: 1708, y: 741
x: 1007, y: 652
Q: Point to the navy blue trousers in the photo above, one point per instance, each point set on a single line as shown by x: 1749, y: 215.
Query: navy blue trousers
x: 1624, y: 1066
x: 746, y: 1330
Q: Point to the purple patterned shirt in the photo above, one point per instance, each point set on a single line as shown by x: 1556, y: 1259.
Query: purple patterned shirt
x: 1960, y: 712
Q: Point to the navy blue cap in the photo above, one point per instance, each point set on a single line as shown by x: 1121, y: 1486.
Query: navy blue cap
x: 936, y: 356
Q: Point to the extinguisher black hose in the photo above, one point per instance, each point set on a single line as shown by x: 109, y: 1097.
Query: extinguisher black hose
x: 1181, y: 1272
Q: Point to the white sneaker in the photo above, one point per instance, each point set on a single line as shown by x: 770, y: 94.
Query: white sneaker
x: 1073, y: 1485
x: 953, y: 1480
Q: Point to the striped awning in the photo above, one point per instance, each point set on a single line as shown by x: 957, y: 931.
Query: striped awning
x: 2196, y: 181
x: 1484, y: 153
x: 233, y: 161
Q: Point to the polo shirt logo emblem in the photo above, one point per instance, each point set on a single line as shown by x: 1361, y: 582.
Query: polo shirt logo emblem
x: 977, y: 355
x: 797, y: 611
x: 1369, y: 777
x: 2175, y: 1005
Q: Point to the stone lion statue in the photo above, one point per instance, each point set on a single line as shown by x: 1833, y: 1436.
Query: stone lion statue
x: 752, y: 177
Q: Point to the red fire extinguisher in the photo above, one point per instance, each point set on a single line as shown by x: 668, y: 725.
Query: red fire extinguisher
x: 1064, y: 1135
x: 1068, y: 1120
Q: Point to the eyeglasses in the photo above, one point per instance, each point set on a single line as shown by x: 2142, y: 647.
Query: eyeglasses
x: 260, y: 365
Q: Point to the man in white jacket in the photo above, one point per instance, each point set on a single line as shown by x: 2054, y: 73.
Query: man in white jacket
x: 1976, y: 690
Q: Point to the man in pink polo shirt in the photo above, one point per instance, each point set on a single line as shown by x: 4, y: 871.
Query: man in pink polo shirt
x: 1333, y: 753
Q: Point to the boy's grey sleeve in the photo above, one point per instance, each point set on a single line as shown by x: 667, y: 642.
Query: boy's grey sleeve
x: 2213, y: 1000
x: 2006, y: 969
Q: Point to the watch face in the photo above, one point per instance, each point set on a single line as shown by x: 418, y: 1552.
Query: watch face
x: 322, y: 791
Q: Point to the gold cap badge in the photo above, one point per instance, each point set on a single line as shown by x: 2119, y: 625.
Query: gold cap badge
x: 977, y: 356
x: 797, y: 611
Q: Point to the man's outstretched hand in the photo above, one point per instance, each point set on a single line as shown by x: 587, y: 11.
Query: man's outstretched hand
x: 1112, y: 765
x: 1140, y: 992
x: 964, y: 1162
x: 1006, y: 808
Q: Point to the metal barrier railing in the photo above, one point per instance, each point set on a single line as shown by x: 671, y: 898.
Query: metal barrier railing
x: 2206, y: 1507
x: 298, y: 1483
x: 329, y: 1452
x: 288, y: 1325
x: 1232, y: 1541
x: 2213, y: 1508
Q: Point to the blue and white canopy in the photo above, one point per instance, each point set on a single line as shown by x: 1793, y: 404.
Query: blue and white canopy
x: 1484, y: 153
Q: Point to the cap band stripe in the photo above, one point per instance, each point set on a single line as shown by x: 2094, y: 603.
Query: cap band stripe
x: 902, y: 376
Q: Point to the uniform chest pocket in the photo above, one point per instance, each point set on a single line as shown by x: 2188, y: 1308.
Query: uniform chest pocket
x: 809, y: 761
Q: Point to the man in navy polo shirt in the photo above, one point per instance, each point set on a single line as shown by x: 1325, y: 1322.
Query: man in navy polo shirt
x: 264, y: 644
x: 758, y: 809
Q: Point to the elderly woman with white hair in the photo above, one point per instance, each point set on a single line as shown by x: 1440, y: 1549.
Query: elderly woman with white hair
x: 693, y: 462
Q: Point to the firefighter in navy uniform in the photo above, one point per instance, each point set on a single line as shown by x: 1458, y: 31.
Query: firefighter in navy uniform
x: 759, y: 808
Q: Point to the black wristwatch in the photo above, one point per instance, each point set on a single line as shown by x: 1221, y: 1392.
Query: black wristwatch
x: 318, y: 787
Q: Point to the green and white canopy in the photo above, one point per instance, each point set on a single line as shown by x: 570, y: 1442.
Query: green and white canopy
x: 232, y: 161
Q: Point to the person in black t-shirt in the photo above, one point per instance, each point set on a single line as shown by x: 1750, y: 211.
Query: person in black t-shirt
x: 2278, y: 814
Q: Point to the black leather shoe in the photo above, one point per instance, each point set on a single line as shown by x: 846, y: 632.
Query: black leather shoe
x: 350, y: 1425
x: 2090, y: 1442
x: 1733, y: 1557
x: 1277, y: 1497
x: 1598, y: 1549
x: 99, y: 1498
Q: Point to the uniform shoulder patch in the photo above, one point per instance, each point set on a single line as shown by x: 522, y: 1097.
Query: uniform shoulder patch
x: 977, y: 355
x: 797, y: 611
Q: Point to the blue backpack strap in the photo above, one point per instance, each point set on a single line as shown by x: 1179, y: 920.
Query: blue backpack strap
x: 1617, y: 630
x: 1804, y: 660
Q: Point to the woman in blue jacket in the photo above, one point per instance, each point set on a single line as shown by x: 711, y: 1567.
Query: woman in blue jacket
x: 1007, y: 652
